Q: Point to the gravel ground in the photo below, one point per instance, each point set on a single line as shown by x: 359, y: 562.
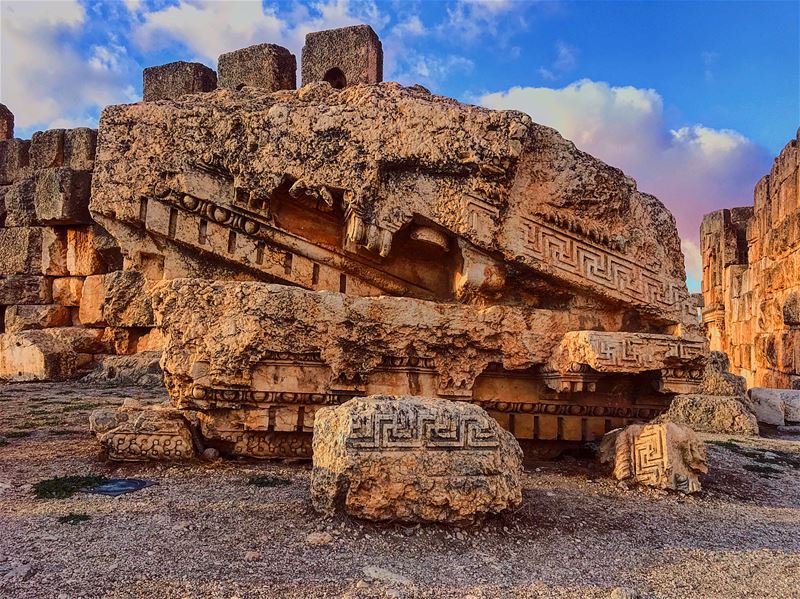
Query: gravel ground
x: 203, y: 531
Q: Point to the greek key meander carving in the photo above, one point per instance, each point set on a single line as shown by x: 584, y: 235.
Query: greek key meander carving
x: 642, y: 350
x: 405, y: 430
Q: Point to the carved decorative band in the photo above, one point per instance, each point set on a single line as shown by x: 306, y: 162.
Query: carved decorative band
x: 644, y: 413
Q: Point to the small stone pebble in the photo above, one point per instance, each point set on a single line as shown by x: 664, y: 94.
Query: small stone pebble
x: 210, y: 454
x: 252, y: 556
x: 319, y: 538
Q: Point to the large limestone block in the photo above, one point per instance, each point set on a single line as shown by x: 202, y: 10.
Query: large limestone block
x: 712, y: 414
x: 20, y: 204
x: 775, y: 406
x: 665, y: 456
x: 413, y: 459
x: 49, y: 354
x: 62, y: 196
x: 25, y: 289
x: 67, y: 291
x: 135, y: 432
x: 83, y: 257
x: 32, y: 251
x: 175, y: 79
x: 47, y: 149
x: 6, y: 123
x: 345, y: 56
x: 26, y: 317
x: 266, y: 66
x: 14, y: 160
x: 717, y: 380
x: 119, y: 299
x: 80, y: 146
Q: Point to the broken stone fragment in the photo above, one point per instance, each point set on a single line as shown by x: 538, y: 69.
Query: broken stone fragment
x: 712, y: 414
x: 49, y: 354
x: 267, y: 66
x: 136, y: 433
x: 775, y: 406
x: 665, y: 456
x: 175, y: 79
x: 413, y: 459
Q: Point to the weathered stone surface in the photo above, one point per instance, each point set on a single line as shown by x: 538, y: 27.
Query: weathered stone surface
x: 717, y: 380
x: 712, y: 414
x: 175, y: 79
x: 119, y: 299
x: 67, y: 291
x: 775, y: 406
x: 666, y: 456
x: 20, y: 204
x: 25, y: 289
x: 135, y: 432
x: 266, y: 66
x: 79, y: 148
x: 26, y: 317
x: 93, y: 294
x: 413, y: 459
x: 32, y: 250
x: 14, y: 160
x: 83, y: 257
x: 346, y: 56
x: 47, y: 149
x: 49, y: 354
x: 6, y: 123
x: 62, y: 196
x: 291, y: 202
x: 141, y: 369
x: 751, y: 281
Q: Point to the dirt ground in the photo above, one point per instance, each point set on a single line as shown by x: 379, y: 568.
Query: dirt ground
x: 203, y: 531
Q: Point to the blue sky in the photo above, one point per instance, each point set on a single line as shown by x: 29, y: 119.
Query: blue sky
x: 692, y: 99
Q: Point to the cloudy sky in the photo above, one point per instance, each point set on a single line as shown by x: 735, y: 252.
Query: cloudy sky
x: 692, y: 99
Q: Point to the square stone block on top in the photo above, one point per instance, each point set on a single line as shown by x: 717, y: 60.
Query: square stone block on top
x: 266, y: 66
x: 175, y: 79
x: 342, y: 57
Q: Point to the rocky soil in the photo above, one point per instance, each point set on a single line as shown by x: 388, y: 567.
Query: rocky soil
x: 204, y: 531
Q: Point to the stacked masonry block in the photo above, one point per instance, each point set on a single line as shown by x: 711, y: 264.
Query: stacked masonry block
x: 51, y: 256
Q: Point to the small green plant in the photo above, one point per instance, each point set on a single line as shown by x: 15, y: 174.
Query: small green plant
x: 268, y: 481
x: 74, y: 518
x: 62, y: 487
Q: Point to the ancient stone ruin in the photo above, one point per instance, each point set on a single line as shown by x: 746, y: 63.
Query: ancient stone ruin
x: 751, y: 281
x: 290, y: 250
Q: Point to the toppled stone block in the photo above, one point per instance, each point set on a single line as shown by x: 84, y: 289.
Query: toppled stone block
x: 140, y: 370
x: 267, y: 66
x: 775, y: 406
x: 47, y: 149
x: 62, y: 196
x: 175, y: 79
x: 665, y: 456
x: 413, y: 459
x: 135, y: 432
x: 20, y: 204
x: 80, y: 145
x: 711, y: 414
x: 67, y: 291
x: 717, y: 380
x: 342, y: 57
x: 27, y: 317
x: 6, y: 123
x: 83, y: 257
x: 49, y: 354
x: 14, y: 160
x: 25, y: 289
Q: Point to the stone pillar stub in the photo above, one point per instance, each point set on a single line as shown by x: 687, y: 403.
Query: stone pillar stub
x: 175, y: 79
x: 265, y: 66
x: 346, y: 56
x: 6, y: 123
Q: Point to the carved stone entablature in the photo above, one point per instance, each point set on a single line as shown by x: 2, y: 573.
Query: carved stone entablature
x: 680, y: 380
x: 579, y: 379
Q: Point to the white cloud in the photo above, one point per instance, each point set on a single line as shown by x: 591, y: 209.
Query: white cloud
x: 693, y: 169
x: 565, y: 60
x: 44, y: 79
x: 474, y: 19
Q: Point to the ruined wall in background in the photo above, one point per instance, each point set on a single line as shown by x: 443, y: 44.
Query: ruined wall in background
x: 751, y: 278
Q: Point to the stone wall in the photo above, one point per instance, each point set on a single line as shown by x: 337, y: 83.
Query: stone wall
x: 751, y: 278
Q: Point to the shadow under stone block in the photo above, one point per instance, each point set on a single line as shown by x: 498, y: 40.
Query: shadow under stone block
x: 266, y: 66
x: 342, y: 57
x: 175, y: 79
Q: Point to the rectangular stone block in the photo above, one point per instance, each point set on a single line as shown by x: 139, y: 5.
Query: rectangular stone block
x: 14, y: 160
x: 67, y: 291
x: 266, y: 66
x: 47, y: 149
x: 49, y: 354
x: 346, y: 56
x: 3, y: 191
x: 6, y: 123
x: 79, y: 148
x: 92, y: 298
x: 83, y: 259
x: 21, y: 250
x: 24, y: 289
x: 62, y: 196
x: 27, y: 317
x: 54, y: 251
x: 175, y: 79
x: 20, y: 205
